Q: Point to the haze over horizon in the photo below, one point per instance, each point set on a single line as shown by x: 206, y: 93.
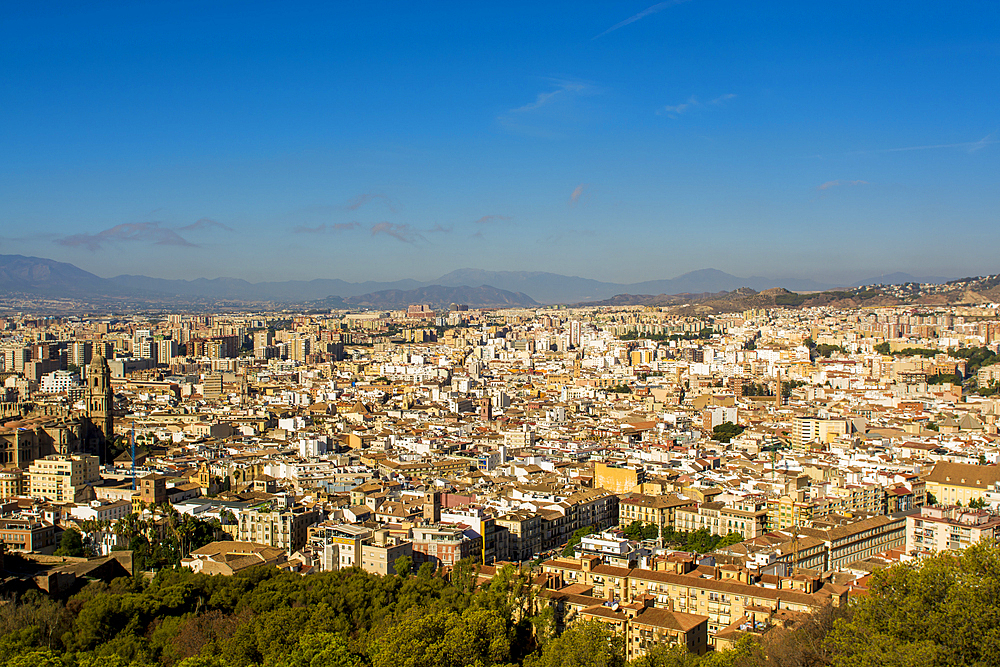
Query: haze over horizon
x: 620, y: 142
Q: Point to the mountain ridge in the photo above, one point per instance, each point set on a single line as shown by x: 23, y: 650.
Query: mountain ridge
x: 46, y: 277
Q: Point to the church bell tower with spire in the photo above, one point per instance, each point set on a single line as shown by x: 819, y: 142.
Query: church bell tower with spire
x: 100, y: 398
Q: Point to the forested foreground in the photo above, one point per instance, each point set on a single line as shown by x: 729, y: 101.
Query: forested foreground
x: 944, y: 612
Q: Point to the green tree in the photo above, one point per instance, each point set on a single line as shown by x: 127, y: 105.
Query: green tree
x: 940, y: 611
x: 638, y: 531
x: 203, y: 661
x: 586, y: 644
x: 324, y: 649
x: 665, y: 655
x: 729, y: 540
x: 403, y: 566
x: 35, y: 658
x: 442, y: 639
x: 726, y: 431
x: 70, y: 544
x: 673, y: 537
x: 702, y: 541
x: 463, y: 575
x: 825, y: 350
x: 575, y: 540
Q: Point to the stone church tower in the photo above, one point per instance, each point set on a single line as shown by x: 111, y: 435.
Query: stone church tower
x: 100, y: 398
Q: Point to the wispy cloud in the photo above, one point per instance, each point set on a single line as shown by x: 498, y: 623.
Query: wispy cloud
x: 143, y: 232
x: 487, y: 219
x: 551, y: 110
x: 205, y: 223
x: 327, y: 227
x: 834, y: 184
x: 675, y: 110
x: 723, y: 98
x: 969, y: 146
x: 648, y: 11
x: 368, y: 197
x: 562, y: 89
x: 439, y: 229
x: 578, y: 191
x: 400, y: 231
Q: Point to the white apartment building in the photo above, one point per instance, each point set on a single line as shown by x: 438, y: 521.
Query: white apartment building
x: 59, y: 381
x: 944, y: 528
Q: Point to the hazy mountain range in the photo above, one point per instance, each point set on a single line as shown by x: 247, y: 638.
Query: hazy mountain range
x: 46, y: 277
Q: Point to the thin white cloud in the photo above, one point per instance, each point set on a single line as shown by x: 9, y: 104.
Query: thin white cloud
x: 970, y: 146
x: 563, y: 88
x: 648, y: 11
x: 400, y: 231
x: 723, y: 98
x: 368, y: 197
x: 550, y: 112
x: 833, y: 184
x: 205, y: 223
x: 152, y: 233
x: 675, y: 110
x: 577, y: 193
x: 327, y: 227
x: 486, y: 219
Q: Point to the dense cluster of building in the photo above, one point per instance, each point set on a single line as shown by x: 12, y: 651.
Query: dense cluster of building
x: 803, y: 448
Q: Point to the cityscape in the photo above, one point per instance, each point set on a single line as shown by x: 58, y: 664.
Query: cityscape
x: 327, y: 386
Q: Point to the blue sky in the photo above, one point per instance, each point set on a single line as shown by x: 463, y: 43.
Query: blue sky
x: 621, y: 141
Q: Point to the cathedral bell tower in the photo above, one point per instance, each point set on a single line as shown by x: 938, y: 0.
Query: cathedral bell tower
x: 100, y: 398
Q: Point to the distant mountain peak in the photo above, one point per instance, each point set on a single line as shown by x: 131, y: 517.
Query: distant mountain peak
x: 46, y: 277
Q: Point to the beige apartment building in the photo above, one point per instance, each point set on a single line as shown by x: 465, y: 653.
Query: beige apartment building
x: 336, y: 545
x: 654, y: 510
x: 60, y: 477
x: 379, y: 555
x: 724, y: 596
x: 852, y: 498
x: 809, y: 430
x: 786, y: 511
x: 851, y: 542
x: 523, y: 532
x: 286, y: 529
x: 12, y: 483
x: 718, y: 518
x: 617, y: 479
x: 940, y: 528
x: 643, y: 627
x: 953, y: 483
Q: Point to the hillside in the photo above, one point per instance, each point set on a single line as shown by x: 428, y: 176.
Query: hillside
x: 33, y: 282
x: 48, y: 277
x: 938, y: 611
x: 985, y: 289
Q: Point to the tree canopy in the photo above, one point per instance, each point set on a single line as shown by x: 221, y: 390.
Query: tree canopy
x: 726, y: 431
x: 942, y: 611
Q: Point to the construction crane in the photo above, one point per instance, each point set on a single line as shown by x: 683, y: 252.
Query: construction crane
x: 795, y: 546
